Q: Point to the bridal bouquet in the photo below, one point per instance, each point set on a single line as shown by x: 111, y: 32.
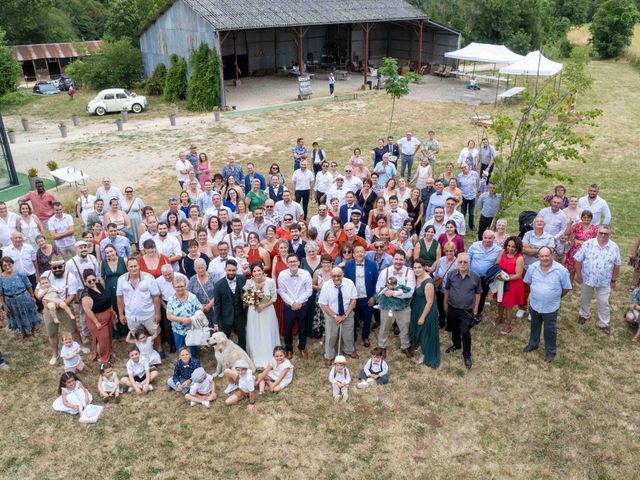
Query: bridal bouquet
x: 252, y: 297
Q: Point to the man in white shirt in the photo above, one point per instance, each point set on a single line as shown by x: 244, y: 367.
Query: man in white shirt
x: 596, y: 205
x: 274, y: 190
x: 216, y: 266
x: 257, y: 224
x: 182, y: 169
x: 338, y: 190
x: 286, y: 205
x: 152, y: 231
x: 168, y: 245
x: 405, y: 277
x: 107, y: 191
x: 295, y: 287
x: 407, y: 146
x: 61, y: 228
x: 303, y: 186
x: 84, y: 206
x: 555, y: 224
x: 23, y: 256
x: 337, y: 300
x: 270, y: 214
x: 351, y: 182
x: 321, y: 222
x: 437, y: 221
x: 450, y: 213
x: 397, y: 214
x: 324, y: 181
x: 76, y: 266
x: 214, y: 210
x: 237, y: 238
x: 172, y: 203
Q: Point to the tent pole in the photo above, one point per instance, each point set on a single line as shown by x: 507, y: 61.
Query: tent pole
x: 538, y: 72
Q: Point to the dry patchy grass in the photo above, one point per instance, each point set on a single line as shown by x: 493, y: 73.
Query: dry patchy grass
x: 511, y: 416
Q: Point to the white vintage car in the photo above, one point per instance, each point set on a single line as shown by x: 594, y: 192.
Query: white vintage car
x: 116, y: 100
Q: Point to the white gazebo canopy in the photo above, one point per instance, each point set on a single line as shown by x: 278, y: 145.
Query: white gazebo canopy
x: 534, y: 64
x: 486, y: 53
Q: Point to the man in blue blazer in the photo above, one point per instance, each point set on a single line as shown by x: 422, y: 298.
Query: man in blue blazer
x: 365, y: 283
x: 251, y: 176
x: 350, y: 205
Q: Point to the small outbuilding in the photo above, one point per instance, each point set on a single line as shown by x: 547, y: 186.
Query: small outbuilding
x: 46, y: 61
x: 256, y: 38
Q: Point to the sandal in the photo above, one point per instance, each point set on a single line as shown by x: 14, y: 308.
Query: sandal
x: 506, y: 330
x: 498, y: 321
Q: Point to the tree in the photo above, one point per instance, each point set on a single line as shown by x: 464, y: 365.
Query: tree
x: 9, y: 67
x: 175, y: 87
x: 123, y: 20
x: 395, y: 85
x: 612, y: 27
x: 545, y: 133
x: 155, y: 84
x: 204, y: 84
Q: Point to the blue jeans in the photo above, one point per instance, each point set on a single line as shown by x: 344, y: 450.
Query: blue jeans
x: 362, y: 312
x: 172, y: 383
x: 549, y: 320
x: 469, y: 205
x: 179, y: 341
x: 406, y: 161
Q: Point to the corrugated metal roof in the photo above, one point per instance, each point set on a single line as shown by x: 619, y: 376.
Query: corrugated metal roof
x: 249, y: 14
x: 56, y: 50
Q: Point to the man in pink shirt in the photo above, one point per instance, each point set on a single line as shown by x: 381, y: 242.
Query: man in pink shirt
x: 41, y: 201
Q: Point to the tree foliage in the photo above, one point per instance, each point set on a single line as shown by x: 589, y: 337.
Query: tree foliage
x: 9, y: 68
x: 612, y: 27
x: 175, y: 87
x: 395, y: 84
x: 119, y: 64
x: 155, y: 84
x: 545, y: 133
x: 204, y: 84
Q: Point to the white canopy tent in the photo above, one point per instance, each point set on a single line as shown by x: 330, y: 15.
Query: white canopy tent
x: 486, y: 53
x: 534, y: 64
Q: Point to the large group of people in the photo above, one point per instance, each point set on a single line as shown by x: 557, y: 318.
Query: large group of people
x: 391, y: 249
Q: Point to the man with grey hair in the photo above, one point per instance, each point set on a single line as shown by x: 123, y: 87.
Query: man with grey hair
x: 532, y: 242
x: 107, y: 191
x: 23, y: 256
x: 597, y: 269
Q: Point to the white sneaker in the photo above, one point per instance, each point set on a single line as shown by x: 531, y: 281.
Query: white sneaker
x: 371, y: 381
x: 193, y: 404
x: 86, y: 351
x: 206, y: 404
x: 130, y: 389
x: 151, y: 388
x: 53, y: 361
x: 232, y: 387
x: 362, y: 384
x: 529, y: 317
x: 345, y: 396
x: 520, y: 313
x: 4, y: 366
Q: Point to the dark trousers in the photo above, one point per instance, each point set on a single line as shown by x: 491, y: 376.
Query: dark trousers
x: 483, y: 295
x: 363, y: 312
x: 290, y: 319
x: 238, y: 325
x: 483, y: 224
x: 460, y: 321
x: 319, y: 195
x: 484, y: 167
x: 470, y: 206
x: 302, y: 197
x: 442, y: 316
x: 332, y: 88
x: 549, y: 320
x: 316, y: 168
x: 166, y: 334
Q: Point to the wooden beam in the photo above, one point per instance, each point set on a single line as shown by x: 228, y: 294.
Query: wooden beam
x: 299, y: 41
x: 366, y: 27
x: 421, y: 23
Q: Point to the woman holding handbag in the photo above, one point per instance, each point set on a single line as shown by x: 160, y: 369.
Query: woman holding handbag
x: 201, y: 285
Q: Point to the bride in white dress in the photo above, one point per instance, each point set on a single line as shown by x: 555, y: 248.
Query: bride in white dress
x: 262, y: 323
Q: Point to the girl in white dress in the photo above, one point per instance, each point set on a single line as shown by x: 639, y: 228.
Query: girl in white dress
x: 144, y: 341
x: 277, y: 375
x: 262, y: 323
x: 73, y: 396
x: 29, y: 225
x: 108, y: 383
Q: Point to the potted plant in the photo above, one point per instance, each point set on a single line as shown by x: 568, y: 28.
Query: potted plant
x: 75, y: 119
x: 12, y: 135
x: 25, y: 124
x: 63, y: 129
x: 32, y: 173
x: 52, y: 165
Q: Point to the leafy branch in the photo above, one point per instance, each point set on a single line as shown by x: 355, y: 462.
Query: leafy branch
x: 395, y: 84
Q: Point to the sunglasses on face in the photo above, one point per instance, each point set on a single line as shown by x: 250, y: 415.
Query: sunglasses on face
x: 58, y: 267
x: 90, y: 280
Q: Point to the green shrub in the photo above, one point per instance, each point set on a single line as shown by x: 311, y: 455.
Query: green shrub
x: 9, y: 68
x: 612, y: 27
x: 16, y: 99
x: 204, y: 85
x: 175, y: 87
x: 155, y: 84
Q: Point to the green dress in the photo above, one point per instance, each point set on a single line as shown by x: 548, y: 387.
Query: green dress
x: 257, y: 200
x: 426, y: 336
x: 429, y: 255
x: 111, y: 282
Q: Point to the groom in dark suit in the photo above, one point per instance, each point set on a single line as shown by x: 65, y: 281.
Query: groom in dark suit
x: 228, y: 312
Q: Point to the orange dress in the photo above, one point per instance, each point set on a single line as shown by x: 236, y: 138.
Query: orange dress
x: 157, y: 271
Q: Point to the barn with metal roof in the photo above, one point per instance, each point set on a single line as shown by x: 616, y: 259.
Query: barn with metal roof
x: 262, y: 37
x: 48, y: 60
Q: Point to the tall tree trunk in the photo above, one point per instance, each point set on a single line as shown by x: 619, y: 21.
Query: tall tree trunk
x: 393, y: 107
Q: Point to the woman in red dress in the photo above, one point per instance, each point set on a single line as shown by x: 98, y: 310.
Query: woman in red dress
x: 279, y: 265
x: 151, y: 261
x: 255, y: 253
x: 578, y: 233
x: 511, y: 262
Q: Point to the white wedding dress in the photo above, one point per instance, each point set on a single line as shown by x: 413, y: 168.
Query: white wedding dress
x: 262, y: 328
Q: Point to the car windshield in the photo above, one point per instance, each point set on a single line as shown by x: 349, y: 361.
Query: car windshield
x: 47, y: 87
x: 127, y: 93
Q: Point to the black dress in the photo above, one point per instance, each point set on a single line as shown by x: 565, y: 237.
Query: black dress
x: 414, y: 213
x: 367, y: 204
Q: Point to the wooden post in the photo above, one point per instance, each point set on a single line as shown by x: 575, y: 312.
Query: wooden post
x: 235, y: 59
x: 299, y: 38
x: 218, y: 44
x: 366, y: 27
x: 420, y: 45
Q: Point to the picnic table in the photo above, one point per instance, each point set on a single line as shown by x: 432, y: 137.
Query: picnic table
x: 343, y: 75
x: 69, y: 175
x: 512, y: 92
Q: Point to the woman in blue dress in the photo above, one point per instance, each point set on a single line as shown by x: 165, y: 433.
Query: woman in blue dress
x: 16, y: 299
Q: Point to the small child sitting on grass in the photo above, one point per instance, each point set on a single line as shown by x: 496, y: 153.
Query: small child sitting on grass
x: 340, y: 379
x: 52, y: 301
x: 241, y: 384
x: 376, y: 370
x: 202, y: 389
x: 277, y: 375
x: 108, y: 383
x: 73, y: 397
x: 184, y: 368
x: 139, y: 377
x: 70, y: 353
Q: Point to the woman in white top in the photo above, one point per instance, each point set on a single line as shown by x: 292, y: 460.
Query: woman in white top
x: 215, y: 234
x: 29, y: 225
x: 469, y: 155
x: 422, y: 174
x: 117, y: 216
x: 402, y: 192
x: 388, y: 190
x: 573, y: 211
x: 262, y: 324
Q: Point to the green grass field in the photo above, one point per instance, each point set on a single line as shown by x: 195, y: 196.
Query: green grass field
x: 511, y: 416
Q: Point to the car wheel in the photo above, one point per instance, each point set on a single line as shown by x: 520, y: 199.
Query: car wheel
x: 136, y: 107
x: 100, y: 111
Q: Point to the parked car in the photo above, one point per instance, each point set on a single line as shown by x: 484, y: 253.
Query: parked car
x: 116, y: 100
x: 64, y: 82
x: 45, y: 88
